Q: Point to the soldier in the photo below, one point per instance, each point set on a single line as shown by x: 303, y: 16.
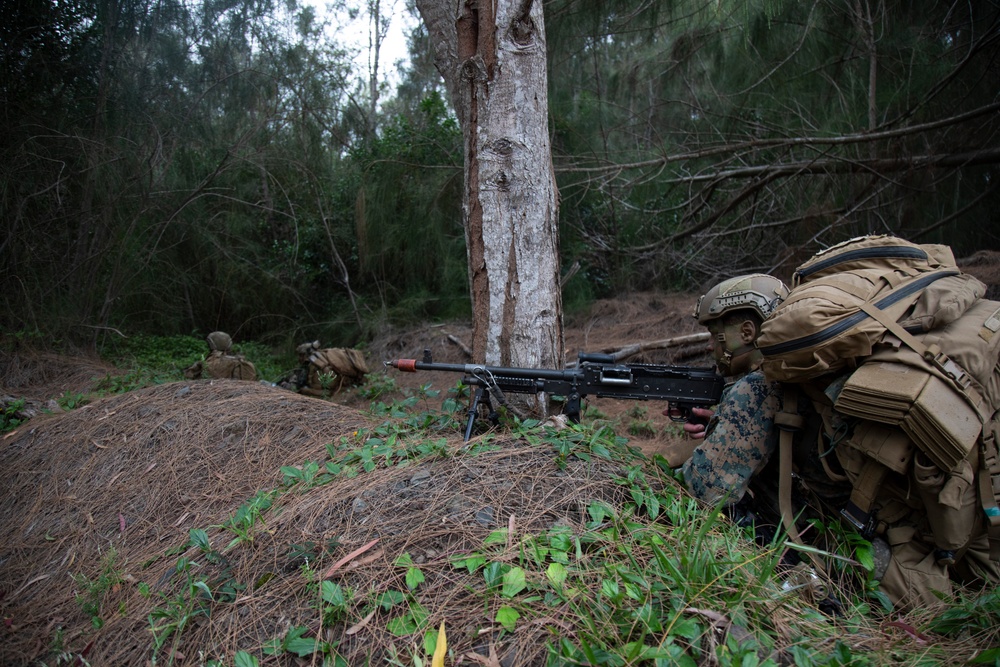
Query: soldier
x: 323, y: 372
x: 220, y: 362
x: 733, y: 464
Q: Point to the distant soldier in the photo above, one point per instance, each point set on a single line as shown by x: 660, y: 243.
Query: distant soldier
x: 324, y: 372
x: 220, y: 362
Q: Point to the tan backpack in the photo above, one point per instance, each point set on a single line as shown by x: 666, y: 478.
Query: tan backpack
x: 347, y: 363
x: 925, y: 348
x: 843, y: 298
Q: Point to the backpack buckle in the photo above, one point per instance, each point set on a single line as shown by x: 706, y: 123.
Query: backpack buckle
x: 863, y: 522
x: 944, y: 364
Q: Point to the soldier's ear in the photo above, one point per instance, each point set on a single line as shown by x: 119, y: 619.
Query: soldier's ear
x: 748, y: 331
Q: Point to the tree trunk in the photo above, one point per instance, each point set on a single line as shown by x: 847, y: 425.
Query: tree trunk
x: 492, y: 57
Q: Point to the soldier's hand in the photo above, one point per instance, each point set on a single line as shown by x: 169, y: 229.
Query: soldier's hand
x: 696, y: 426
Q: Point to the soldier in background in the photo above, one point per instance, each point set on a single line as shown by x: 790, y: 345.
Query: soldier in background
x: 220, y: 362
x: 324, y: 372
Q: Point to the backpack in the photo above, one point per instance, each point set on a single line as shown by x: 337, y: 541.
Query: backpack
x: 347, y: 363
x: 833, y: 315
x: 915, y: 346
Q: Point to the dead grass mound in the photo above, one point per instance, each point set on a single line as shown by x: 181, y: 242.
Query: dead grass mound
x: 134, y: 473
x: 126, y: 478
x: 46, y: 375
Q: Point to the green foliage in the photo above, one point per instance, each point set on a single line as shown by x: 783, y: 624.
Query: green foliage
x: 160, y: 358
x: 91, y: 592
x: 10, y: 415
x: 70, y: 400
x: 176, y: 611
x: 248, y: 518
x: 976, y: 615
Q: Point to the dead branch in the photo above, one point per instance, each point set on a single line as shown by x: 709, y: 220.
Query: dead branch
x: 637, y: 348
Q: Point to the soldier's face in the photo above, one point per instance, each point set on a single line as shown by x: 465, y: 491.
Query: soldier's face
x: 728, y: 340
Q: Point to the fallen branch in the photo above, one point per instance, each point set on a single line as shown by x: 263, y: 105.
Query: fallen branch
x: 462, y: 346
x: 632, y: 350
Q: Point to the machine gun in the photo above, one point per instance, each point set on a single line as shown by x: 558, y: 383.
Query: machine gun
x: 685, y: 387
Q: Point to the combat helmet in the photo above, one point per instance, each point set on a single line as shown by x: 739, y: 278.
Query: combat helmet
x: 219, y: 341
x: 757, y: 291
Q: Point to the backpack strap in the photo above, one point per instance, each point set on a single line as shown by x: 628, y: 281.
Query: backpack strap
x: 933, y: 355
x: 858, y: 510
x: 789, y: 422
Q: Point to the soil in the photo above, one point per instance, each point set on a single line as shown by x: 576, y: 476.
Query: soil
x: 102, y: 498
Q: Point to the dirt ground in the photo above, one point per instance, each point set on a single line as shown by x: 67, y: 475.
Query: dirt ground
x: 99, y: 501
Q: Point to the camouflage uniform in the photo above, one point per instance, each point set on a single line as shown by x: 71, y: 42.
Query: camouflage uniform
x: 324, y: 372
x: 220, y: 363
x: 734, y: 461
x: 740, y: 441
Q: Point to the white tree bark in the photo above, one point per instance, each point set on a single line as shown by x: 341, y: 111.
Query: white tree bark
x: 491, y: 54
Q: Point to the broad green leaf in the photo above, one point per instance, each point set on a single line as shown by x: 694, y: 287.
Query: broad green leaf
x: 402, y: 625
x: 513, y: 582
x: 390, y: 599
x: 244, y: 659
x: 301, y: 646
x: 332, y: 593
x: 507, y: 617
x: 414, y: 577
x: 557, y: 574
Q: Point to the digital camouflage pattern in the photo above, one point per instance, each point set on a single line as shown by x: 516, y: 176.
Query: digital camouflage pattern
x: 738, y: 443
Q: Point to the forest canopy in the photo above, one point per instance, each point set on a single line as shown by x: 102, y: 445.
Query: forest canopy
x: 180, y: 167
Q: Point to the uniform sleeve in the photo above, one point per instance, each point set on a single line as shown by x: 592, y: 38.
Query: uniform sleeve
x: 739, y: 442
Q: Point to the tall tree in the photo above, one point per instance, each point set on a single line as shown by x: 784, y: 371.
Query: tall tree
x: 493, y: 60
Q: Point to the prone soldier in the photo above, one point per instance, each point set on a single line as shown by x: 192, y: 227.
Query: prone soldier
x: 734, y: 464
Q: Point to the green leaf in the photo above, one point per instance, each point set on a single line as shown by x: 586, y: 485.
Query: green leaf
x: 402, y: 625
x: 496, y: 537
x: 507, y: 617
x: 301, y: 646
x: 199, y: 538
x: 513, y: 582
x: 203, y: 587
x: 493, y: 572
x: 414, y: 577
x: 332, y: 593
x: 244, y: 659
x: 556, y: 574
x: 988, y: 657
x: 470, y: 563
x: 687, y: 628
x: 866, y: 556
x: 390, y: 599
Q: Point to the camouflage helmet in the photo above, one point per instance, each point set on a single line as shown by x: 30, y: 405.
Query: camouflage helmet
x: 758, y: 292
x: 306, y: 349
x: 219, y: 341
